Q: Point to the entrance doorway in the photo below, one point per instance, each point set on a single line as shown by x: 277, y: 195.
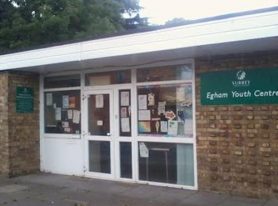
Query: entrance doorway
x: 108, y: 133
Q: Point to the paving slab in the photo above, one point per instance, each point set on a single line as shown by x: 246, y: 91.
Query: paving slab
x: 60, y: 190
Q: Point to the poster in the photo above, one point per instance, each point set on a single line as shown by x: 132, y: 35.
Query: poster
x: 144, y: 115
x: 164, y: 126
x: 72, y: 102
x: 65, y: 101
x: 142, y: 101
x: 144, y: 127
x: 172, y: 128
x: 180, y: 92
x: 65, y: 124
x: 170, y: 115
x: 123, y: 112
x: 58, y: 114
x: 161, y: 108
x: 124, y: 98
x: 99, y: 123
x: 151, y: 100
x: 69, y: 114
x: 188, y: 127
x: 99, y: 101
x: 125, y: 126
x: 76, y: 117
x: 49, y: 99
x: 143, y: 150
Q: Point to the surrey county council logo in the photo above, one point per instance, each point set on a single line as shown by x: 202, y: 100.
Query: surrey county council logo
x: 241, y: 77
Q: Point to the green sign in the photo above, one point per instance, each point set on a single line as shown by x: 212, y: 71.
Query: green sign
x: 24, y: 100
x: 244, y: 86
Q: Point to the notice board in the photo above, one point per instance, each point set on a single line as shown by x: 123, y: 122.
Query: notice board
x: 24, y: 100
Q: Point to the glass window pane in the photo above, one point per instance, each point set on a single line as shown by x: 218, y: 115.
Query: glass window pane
x: 107, y: 78
x: 165, y: 110
x: 125, y: 113
x: 99, y: 114
x: 62, y: 81
x: 99, y: 156
x: 62, y: 112
x: 166, y: 162
x: 125, y: 160
x: 181, y: 72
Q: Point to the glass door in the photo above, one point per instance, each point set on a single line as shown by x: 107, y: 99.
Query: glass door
x: 99, y: 135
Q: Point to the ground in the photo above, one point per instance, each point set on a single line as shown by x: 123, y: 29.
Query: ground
x: 49, y: 189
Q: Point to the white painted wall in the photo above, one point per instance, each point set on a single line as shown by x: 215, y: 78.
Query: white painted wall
x: 62, y: 156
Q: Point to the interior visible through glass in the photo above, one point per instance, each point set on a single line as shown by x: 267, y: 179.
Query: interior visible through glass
x: 99, y: 156
x: 166, y: 162
x: 125, y: 160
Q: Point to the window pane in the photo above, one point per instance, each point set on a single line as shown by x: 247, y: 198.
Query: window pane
x: 62, y: 81
x: 165, y: 110
x: 125, y: 112
x: 166, y: 162
x: 62, y: 112
x: 99, y: 157
x: 99, y: 114
x: 182, y: 72
x: 107, y: 78
x: 126, y: 160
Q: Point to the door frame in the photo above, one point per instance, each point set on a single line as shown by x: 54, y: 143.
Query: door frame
x: 87, y: 137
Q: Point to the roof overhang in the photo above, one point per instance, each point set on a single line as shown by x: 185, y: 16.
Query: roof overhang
x: 250, y: 33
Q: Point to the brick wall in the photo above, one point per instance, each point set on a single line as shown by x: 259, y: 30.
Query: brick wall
x: 4, y: 150
x: 19, y: 132
x: 24, y: 127
x: 237, y: 146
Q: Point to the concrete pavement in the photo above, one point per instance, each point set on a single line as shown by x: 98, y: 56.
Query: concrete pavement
x: 49, y: 189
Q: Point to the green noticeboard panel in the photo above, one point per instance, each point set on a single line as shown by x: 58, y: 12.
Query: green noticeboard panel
x: 24, y: 100
x: 245, y: 86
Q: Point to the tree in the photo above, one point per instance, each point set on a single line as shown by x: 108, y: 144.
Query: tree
x: 176, y: 22
x: 25, y: 23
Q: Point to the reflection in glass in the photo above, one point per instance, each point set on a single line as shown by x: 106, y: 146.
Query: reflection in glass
x: 166, y: 73
x: 62, y: 81
x: 107, y: 78
x: 166, y: 162
x: 125, y: 160
x: 99, y: 156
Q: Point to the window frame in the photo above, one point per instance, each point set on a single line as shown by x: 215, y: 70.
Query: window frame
x: 61, y: 89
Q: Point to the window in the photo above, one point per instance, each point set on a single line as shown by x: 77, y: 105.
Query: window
x: 166, y: 162
x: 62, y: 81
x: 165, y: 110
x: 181, y: 72
x: 107, y: 78
x: 62, y: 112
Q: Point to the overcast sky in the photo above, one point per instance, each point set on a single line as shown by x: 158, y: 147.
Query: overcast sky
x: 159, y: 11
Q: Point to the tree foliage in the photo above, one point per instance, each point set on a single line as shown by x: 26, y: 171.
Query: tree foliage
x: 25, y: 23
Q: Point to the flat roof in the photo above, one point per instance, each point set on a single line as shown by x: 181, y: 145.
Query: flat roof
x: 192, y: 38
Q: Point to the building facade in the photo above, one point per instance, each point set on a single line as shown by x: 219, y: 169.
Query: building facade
x: 192, y: 107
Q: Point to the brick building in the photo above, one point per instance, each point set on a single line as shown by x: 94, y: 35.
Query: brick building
x: 192, y: 106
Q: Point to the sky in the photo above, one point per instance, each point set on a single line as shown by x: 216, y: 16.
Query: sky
x: 160, y: 11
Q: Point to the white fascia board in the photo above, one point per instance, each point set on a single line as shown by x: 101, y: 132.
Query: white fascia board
x: 240, y: 28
